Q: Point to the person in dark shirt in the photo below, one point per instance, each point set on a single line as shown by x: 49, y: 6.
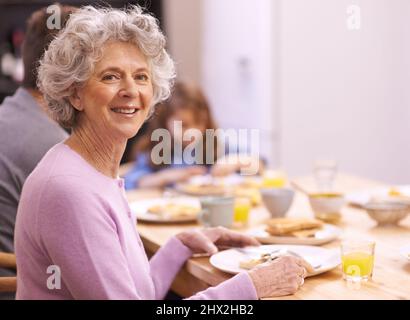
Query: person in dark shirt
x: 26, y: 131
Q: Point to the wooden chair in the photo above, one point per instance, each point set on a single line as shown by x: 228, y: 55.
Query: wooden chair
x: 8, y: 284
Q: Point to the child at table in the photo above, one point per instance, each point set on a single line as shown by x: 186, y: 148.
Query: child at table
x: 187, y: 108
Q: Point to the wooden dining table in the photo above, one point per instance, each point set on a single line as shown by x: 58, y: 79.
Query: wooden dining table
x: 391, y: 276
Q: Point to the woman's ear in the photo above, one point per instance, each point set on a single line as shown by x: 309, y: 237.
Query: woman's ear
x: 75, y: 100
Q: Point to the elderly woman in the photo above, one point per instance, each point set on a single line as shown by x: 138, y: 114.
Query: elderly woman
x: 75, y: 233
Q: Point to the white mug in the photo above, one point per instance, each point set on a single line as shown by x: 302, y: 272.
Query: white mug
x: 217, y: 211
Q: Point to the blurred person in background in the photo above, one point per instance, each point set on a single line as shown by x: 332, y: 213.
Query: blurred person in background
x: 26, y: 131
x: 188, y: 106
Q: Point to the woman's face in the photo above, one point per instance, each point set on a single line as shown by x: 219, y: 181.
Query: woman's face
x: 115, y: 101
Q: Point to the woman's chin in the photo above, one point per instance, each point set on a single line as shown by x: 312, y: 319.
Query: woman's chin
x: 130, y: 132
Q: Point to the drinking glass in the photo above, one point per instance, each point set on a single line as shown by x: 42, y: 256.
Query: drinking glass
x: 242, y: 209
x: 324, y: 171
x: 357, y: 260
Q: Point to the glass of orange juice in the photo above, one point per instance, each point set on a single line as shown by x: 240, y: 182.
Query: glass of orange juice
x: 357, y: 260
x: 242, y: 209
x: 274, y: 179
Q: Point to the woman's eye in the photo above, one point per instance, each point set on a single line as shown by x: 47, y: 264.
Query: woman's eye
x: 110, y: 77
x: 142, y: 77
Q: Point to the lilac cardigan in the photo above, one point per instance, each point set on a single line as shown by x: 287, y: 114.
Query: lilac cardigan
x: 73, y: 217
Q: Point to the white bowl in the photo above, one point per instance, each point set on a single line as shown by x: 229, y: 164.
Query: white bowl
x: 387, y: 212
x: 327, y: 206
x: 277, y: 200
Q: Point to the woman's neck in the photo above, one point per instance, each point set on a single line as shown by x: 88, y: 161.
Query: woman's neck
x: 102, y: 153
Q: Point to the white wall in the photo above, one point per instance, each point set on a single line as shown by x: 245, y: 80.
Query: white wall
x: 344, y: 93
x: 236, y: 60
x: 182, y: 22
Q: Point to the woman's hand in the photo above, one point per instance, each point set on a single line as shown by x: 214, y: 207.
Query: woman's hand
x: 279, y: 277
x: 209, y: 239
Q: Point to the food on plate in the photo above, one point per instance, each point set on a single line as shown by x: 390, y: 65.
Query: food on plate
x: 251, y: 263
x: 264, y: 257
x: 174, y: 210
x: 294, y: 227
x: 204, y: 189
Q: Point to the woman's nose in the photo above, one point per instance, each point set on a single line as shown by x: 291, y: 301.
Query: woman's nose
x: 129, y: 89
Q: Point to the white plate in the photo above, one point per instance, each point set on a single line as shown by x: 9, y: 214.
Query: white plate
x: 405, y: 252
x: 222, y: 185
x: 326, y: 234
x: 228, y: 260
x: 361, y: 198
x: 140, y: 208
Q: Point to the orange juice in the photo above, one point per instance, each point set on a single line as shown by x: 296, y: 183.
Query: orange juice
x: 241, y: 210
x: 357, y: 265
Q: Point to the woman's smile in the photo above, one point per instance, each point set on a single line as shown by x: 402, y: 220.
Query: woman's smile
x: 126, y: 110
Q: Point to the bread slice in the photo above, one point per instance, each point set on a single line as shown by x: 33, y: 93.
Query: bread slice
x: 308, y: 233
x: 287, y: 226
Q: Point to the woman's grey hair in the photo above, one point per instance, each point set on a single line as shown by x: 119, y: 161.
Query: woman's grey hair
x: 71, y: 56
